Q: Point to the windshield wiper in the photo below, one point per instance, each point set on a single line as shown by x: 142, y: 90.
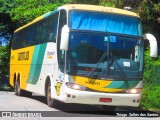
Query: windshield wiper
x: 97, y: 65
x: 121, y: 72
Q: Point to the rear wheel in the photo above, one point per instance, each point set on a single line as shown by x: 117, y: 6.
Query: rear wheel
x: 18, y: 90
x: 50, y: 101
x: 15, y: 88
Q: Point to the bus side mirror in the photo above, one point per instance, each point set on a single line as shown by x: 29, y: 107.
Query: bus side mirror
x: 153, y: 44
x: 64, y: 38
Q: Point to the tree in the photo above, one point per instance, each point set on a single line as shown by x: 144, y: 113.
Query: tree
x: 28, y: 10
x: 7, y: 26
x: 93, y: 2
x: 149, y: 11
x: 4, y: 63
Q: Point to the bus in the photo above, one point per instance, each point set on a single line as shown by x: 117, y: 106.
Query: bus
x: 82, y: 54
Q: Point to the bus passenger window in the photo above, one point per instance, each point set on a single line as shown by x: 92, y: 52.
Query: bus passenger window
x: 52, y: 27
x: 44, y: 31
x: 37, y: 35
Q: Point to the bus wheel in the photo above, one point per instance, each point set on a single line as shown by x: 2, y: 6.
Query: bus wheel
x: 18, y: 90
x: 15, y: 88
x: 109, y: 108
x: 50, y: 101
x: 21, y: 92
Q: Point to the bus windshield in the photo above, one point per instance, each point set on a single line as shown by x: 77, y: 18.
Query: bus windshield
x: 104, y: 55
x: 105, y: 45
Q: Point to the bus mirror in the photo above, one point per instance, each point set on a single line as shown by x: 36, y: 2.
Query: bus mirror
x: 64, y: 38
x: 153, y: 44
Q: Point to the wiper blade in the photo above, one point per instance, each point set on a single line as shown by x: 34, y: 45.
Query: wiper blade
x: 97, y: 65
x: 121, y: 72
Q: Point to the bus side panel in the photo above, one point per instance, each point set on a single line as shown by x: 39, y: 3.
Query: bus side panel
x: 34, y: 64
x: 46, y: 67
x: 20, y: 65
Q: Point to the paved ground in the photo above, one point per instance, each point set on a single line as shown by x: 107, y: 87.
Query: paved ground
x: 36, y: 106
x: 10, y: 102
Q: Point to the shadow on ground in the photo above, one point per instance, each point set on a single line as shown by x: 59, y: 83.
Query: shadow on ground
x: 90, y: 110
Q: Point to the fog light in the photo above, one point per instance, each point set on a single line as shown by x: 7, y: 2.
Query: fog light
x: 77, y: 87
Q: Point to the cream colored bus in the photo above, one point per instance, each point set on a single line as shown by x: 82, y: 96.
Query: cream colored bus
x: 81, y: 54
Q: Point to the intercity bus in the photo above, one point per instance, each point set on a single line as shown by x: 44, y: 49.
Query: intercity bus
x: 83, y: 54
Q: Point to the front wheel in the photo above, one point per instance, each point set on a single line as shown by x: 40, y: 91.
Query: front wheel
x: 50, y: 101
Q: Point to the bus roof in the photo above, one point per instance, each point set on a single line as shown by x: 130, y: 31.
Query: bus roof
x: 100, y: 9
x: 83, y: 7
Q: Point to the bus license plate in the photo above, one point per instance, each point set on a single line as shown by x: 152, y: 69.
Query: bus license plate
x: 105, y: 99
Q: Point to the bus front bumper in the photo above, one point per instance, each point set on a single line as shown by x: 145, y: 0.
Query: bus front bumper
x: 98, y: 98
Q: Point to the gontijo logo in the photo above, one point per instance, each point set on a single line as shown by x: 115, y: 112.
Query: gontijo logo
x: 23, y: 56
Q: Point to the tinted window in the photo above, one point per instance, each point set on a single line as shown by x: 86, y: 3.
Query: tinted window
x: 61, y: 53
x: 38, y: 33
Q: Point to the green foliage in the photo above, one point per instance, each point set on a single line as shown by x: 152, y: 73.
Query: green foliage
x: 5, y: 87
x: 4, y: 63
x: 150, y: 97
x: 108, y: 3
x: 6, y: 25
x: 93, y: 2
x: 151, y: 70
x: 30, y: 9
x: 6, y: 6
x: 151, y: 83
x: 120, y: 3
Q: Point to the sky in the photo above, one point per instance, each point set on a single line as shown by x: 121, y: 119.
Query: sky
x: 2, y: 39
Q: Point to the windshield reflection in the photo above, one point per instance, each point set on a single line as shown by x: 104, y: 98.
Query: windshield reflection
x: 104, y: 55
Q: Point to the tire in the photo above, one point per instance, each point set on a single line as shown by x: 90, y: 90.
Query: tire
x: 18, y: 90
x: 50, y: 101
x: 15, y: 88
x: 109, y: 108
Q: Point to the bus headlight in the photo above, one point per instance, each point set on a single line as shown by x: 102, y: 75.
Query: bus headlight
x: 75, y: 86
x: 133, y: 91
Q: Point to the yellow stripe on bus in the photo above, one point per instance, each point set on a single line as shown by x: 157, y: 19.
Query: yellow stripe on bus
x: 95, y: 84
